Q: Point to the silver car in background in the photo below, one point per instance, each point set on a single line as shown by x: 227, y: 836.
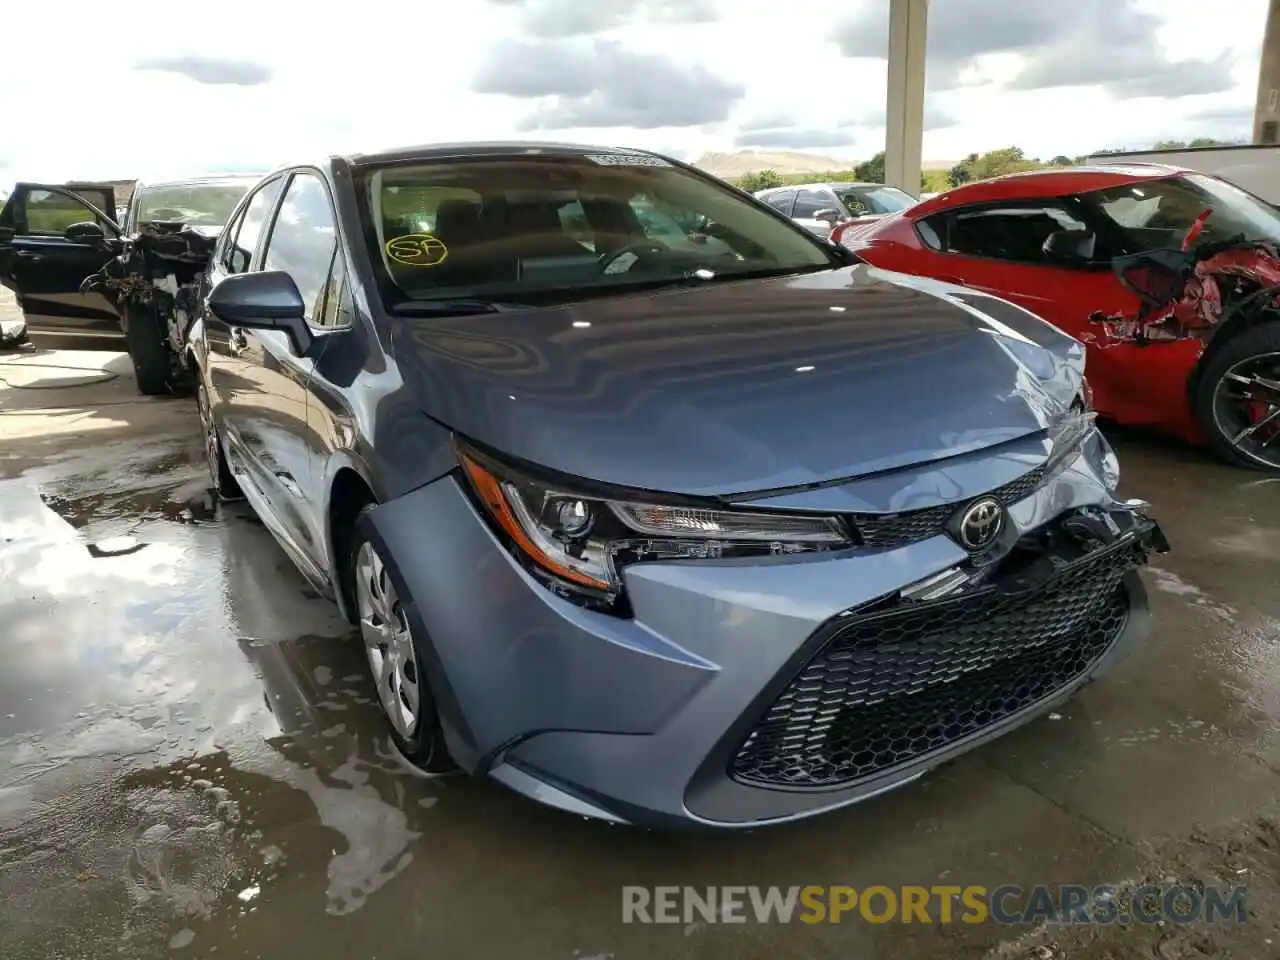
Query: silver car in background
x: 820, y: 206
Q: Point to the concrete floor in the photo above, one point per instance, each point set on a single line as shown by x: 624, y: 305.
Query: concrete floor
x: 191, y: 761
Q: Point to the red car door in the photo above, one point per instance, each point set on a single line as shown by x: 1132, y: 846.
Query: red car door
x: 998, y: 249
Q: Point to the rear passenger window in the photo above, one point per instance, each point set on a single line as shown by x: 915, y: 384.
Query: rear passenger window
x: 245, y: 242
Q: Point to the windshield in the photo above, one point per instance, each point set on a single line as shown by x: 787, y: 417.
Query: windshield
x: 197, y: 204
x: 864, y: 200
x: 564, y: 226
x: 1156, y: 214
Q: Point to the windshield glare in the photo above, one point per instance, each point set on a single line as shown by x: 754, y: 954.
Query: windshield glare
x: 1156, y: 214
x: 874, y: 199
x: 200, y: 205
x: 567, y: 226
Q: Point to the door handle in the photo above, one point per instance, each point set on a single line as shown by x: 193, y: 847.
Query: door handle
x: 33, y: 257
x: 238, y: 340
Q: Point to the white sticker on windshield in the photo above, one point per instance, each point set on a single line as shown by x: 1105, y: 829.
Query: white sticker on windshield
x: 626, y: 160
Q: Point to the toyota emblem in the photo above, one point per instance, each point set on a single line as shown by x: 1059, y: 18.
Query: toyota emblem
x: 980, y: 524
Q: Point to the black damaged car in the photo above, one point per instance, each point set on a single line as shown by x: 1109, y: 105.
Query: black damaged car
x: 91, y: 280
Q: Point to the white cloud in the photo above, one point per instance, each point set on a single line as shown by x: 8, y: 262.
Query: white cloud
x: 146, y: 89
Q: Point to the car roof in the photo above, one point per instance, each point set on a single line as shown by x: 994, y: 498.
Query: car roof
x: 1037, y: 184
x: 250, y: 178
x: 824, y: 183
x: 435, y: 151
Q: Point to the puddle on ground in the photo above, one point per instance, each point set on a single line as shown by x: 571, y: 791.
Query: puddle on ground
x: 192, y: 762
x: 182, y: 718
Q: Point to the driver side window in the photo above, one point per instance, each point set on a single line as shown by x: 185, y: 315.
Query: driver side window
x: 48, y: 214
x: 1015, y: 232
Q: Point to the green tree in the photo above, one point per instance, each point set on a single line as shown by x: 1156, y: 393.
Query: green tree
x: 962, y: 172
x: 759, y: 180
x: 1061, y: 160
x: 872, y: 171
x: 993, y: 163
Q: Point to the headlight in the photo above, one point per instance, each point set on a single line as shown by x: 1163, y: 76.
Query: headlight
x: 578, y: 543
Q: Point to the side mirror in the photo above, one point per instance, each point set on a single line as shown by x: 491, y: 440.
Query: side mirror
x: 87, y: 231
x: 1069, y: 246
x: 267, y: 300
x: 828, y: 216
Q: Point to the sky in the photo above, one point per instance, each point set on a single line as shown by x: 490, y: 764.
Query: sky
x: 143, y: 89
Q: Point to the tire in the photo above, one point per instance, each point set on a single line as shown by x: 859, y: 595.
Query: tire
x: 224, y: 482
x: 1221, y: 419
x: 395, y: 660
x: 148, y: 350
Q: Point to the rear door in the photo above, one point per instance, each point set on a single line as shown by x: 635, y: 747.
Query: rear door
x: 45, y: 268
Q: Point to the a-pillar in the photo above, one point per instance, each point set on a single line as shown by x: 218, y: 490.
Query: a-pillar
x: 908, y: 23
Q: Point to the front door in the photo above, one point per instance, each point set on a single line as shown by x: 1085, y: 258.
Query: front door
x: 229, y: 359
x: 45, y: 265
x: 267, y: 411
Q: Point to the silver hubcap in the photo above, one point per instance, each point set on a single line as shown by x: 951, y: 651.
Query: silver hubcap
x: 211, y: 446
x: 1246, y: 408
x: 388, y: 642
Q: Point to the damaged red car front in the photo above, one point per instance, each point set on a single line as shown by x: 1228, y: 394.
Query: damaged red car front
x: 1170, y: 277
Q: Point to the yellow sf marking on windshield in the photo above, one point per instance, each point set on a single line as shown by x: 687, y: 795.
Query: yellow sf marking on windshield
x: 417, y: 250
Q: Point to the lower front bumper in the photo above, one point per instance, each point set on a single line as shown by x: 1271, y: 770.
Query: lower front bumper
x: 716, y: 797
x: 638, y: 720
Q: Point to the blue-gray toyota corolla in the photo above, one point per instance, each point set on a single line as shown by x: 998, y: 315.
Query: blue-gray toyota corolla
x: 648, y: 504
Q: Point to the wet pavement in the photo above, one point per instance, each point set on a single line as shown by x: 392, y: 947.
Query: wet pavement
x: 192, y: 763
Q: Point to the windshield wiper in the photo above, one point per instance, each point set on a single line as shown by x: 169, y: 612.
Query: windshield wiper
x: 453, y: 307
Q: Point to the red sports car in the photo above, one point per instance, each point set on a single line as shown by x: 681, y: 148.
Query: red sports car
x: 1170, y: 277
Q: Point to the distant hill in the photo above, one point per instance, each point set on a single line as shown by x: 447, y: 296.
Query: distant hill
x: 731, y: 165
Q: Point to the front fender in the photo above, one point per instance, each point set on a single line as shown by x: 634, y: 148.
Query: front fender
x: 195, y: 352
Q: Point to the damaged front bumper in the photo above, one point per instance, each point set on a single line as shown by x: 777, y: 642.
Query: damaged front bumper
x: 158, y: 273
x: 685, y: 712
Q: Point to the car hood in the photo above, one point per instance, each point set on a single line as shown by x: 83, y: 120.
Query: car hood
x: 748, y: 385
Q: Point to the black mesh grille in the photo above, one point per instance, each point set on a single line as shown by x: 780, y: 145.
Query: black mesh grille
x: 890, y: 687
x: 899, y: 529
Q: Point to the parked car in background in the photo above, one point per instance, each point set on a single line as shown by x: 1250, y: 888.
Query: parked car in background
x: 820, y: 206
x: 80, y: 273
x: 646, y: 528
x: 1085, y: 248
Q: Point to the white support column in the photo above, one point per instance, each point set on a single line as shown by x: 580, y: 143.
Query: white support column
x: 908, y: 23
x: 1266, y: 117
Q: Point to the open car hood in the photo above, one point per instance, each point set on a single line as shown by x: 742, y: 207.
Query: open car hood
x: 748, y: 385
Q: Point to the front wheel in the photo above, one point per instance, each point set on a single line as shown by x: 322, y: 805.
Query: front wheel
x: 396, y: 662
x: 1237, y: 402
x: 145, y: 336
